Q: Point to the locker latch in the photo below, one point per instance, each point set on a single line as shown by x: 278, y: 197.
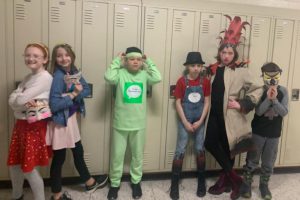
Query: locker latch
x: 295, y: 94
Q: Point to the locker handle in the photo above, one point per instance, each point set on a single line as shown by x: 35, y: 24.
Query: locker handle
x: 295, y: 94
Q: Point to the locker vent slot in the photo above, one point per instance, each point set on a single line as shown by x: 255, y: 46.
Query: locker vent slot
x: 279, y: 31
x: 205, y: 26
x: 256, y: 30
x: 120, y: 19
x: 20, y: 11
x: 87, y: 159
x: 54, y: 14
x: 150, y: 22
x: 146, y: 158
x: 178, y: 24
x: 170, y: 157
x: 88, y: 17
x: 298, y: 33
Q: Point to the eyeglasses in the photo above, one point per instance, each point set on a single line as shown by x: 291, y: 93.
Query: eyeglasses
x: 35, y: 57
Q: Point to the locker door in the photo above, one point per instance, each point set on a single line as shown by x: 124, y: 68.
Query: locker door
x: 62, y: 15
x: 126, y: 27
x: 182, y: 42
x: 62, y: 30
x: 260, y: 35
x: 258, y: 54
x: 293, y: 136
x: 4, y: 135
x: 27, y: 15
x: 210, y: 27
x: 154, y: 47
x: 94, y: 51
x: 282, y: 47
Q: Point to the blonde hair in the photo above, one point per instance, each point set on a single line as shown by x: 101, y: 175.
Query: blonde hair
x: 68, y: 49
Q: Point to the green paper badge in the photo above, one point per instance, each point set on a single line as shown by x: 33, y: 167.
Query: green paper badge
x: 133, y: 92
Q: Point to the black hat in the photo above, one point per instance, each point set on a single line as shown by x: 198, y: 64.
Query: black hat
x: 133, y: 49
x: 194, y: 58
x: 270, y: 67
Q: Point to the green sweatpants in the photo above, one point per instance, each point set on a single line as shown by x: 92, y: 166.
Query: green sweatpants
x: 136, y: 140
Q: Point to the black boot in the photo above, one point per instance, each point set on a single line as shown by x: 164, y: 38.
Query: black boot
x: 264, y: 188
x: 201, y: 189
x: 245, y: 189
x: 176, y: 170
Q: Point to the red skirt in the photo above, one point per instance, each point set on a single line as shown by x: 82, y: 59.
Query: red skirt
x: 28, y: 145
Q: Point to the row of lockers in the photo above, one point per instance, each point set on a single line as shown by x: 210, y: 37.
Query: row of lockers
x: 99, y: 29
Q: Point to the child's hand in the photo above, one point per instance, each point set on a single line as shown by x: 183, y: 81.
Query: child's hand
x: 189, y: 127
x: 144, y: 57
x: 272, y: 93
x: 196, y: 125
x: 121, y: 55
x: 31, y: 103
x: 233, y: 104
x: 78, y: 88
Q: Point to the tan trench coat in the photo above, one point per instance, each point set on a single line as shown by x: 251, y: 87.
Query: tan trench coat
x: 238, y: 83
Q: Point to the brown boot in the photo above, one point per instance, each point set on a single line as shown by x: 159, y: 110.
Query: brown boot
x: 201, y: 189
x: 236, y: 182
x: 222, y: 185
x: 176, y: 170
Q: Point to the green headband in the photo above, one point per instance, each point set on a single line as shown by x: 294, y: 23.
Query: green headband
x: 134, y: 54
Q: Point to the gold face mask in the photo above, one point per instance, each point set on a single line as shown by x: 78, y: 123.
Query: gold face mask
x: 271, y: 78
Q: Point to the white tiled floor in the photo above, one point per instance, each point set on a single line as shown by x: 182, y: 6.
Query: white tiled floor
x: 283, y: 187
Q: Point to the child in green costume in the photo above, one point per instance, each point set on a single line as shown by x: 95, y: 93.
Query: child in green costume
x: 130, y: 72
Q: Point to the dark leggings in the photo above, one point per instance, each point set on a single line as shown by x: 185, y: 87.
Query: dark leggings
x: 216, y: 141
x: 58, y: 161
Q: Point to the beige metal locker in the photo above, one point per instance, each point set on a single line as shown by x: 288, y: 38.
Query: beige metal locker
x: 259, y: 48
x: 27, y: 28
x: 291, y: 149
x: 183, y: 37
x: 62, y: 29
x: 283, y: 37
x: 126, y: 33
x: 4, y: 134
x: 154, y: 45
x: 94, y: 55
x: 210, y: 27
x: 282, y: 49
x: 258, y: 54
x: 126, y: 27
x: 62, y: 21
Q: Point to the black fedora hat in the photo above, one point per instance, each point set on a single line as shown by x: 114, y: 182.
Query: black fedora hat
x: 194, y: 57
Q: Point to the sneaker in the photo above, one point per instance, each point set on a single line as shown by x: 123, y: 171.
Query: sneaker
x: 99, y: 183
x: 64, y: 196
x: 113, y: 193
x: 136, y: 191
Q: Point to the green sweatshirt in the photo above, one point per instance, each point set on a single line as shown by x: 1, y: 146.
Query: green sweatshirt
x: 131, y: 101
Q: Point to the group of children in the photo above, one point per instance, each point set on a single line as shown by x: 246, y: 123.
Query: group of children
x: 203, y: 97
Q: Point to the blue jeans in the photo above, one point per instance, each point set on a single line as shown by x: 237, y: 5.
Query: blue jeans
x: 183, y: 137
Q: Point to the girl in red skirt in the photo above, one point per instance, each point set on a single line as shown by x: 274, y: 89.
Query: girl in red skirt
x: 30, y: 105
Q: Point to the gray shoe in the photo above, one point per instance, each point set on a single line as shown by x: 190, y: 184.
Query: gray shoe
x: 264, y: 188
